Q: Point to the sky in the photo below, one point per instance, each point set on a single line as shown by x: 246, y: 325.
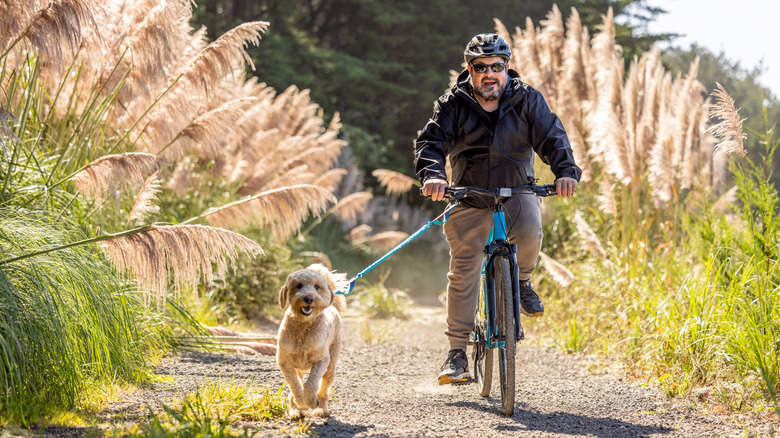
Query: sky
x: 747, y: 31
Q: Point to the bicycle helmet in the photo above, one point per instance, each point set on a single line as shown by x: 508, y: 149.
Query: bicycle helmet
x: 485, y: 45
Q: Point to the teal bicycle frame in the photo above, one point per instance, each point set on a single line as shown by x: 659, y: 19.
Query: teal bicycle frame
x: 498, y: 246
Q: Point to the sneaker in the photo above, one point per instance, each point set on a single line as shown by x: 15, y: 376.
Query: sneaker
x: 455, y: 368
x: 531, y: 305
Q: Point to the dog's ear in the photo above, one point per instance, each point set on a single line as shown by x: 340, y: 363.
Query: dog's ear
x: 283, y: 295
x: 335, y: 281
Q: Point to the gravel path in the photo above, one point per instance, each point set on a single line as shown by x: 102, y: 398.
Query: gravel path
x: 389, y: 389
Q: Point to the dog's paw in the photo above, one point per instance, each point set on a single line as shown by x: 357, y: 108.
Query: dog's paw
x: 295, y: 414
x: 322, y: 413
x: 293, y: 408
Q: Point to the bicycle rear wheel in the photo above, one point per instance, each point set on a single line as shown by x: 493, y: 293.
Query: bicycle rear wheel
x: 481, y: 357
x: 506, y: 330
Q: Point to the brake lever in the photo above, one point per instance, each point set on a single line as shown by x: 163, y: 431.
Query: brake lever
x: 449, y: 192
x: 545, y: 190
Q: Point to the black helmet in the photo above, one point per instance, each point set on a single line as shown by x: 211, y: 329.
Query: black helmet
x: 486, y: 45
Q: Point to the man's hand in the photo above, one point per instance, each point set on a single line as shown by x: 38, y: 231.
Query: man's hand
x: 566, y: 187
x: 434, y: 188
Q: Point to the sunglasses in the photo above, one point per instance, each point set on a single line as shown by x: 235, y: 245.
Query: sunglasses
x: 483, y: 68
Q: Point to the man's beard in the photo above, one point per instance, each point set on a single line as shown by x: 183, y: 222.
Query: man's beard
x: 492, y: 95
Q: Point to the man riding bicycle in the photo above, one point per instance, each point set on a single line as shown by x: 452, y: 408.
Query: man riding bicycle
x: 490, y: 125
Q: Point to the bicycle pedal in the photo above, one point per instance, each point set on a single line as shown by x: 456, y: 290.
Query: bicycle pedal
x: 446, y: 380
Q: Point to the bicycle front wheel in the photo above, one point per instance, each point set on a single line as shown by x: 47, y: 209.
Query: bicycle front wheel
x: 505, y: 328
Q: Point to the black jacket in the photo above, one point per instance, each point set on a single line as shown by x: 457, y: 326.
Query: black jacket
x: 486, y: 156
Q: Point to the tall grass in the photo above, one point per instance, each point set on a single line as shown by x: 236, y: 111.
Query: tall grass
x: 67, y: 321
x: 670, y: 275
x: 639, y: 134
x: 158, y: 104
x: 755, y: 334
x: 719, y: 327
x: 121, y: 124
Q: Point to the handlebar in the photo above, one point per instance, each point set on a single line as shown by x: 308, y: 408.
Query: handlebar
x: 456, y: 193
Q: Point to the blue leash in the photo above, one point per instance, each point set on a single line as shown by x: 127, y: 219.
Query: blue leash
x: 436, y: 221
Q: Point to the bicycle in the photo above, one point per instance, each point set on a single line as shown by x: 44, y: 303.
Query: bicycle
x: 497, y: 324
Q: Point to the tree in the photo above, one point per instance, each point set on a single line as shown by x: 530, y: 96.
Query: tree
x: 382, y: 64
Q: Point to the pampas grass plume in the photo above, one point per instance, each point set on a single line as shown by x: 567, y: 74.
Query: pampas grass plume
x: 725, y: 201
x: 221, y: 57
x: 331, y: 179
x: 386, y: 240
x: 358, y: 234
x: 51, y: 29
x: 104, y: 175
x: 209, y: 129
x: 184, y: 254
x: 282, y: 210
x: 350, y: 206
x: 144, y: 204
x: 729, y: 130
x: 557, y: 271
x: 395, y: 183
x: 589, y: 237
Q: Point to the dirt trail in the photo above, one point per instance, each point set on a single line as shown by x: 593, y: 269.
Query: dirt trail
x: 389, y: 389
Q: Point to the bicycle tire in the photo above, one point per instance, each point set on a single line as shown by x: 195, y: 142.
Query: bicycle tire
x: 506, y: 330
x: 481, y: 357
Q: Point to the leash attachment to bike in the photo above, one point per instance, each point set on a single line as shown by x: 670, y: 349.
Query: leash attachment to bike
x: 436, y: 221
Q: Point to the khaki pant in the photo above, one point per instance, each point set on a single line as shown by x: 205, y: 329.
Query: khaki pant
x: 467, y: 231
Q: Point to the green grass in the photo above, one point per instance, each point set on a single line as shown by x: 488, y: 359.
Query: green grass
x: 576, y: 338
x: 376, y: 300
x: 66, y: 321
x: 221, y: 409
x: 694, y: 308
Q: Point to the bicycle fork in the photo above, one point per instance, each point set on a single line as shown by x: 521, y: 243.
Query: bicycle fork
x: 498, y: 250
x: 516, y: 292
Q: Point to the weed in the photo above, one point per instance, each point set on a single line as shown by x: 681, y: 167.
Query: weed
x: 377, y: 335
x: 378, y: 301
x: 578, y: 336
x: 215, y: 410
